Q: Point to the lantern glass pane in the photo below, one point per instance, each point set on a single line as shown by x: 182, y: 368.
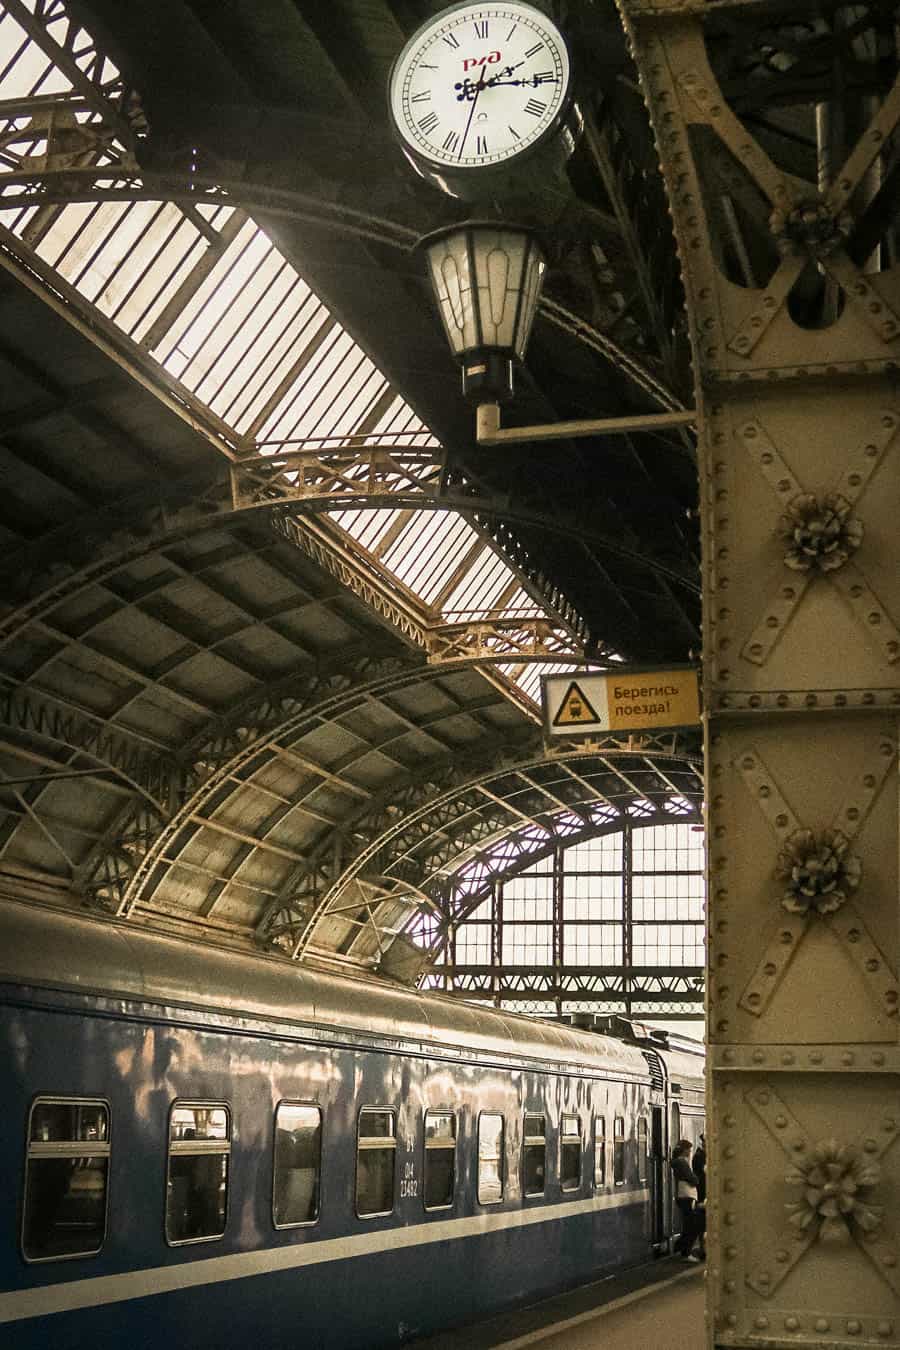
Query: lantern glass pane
x: 535, y: 267
x: 487, y: 281
x: 448, y: 260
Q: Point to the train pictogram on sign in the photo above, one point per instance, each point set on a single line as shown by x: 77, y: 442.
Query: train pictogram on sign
x: 574, y: 709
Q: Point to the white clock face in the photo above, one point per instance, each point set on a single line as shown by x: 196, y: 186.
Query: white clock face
x: 479, y: 84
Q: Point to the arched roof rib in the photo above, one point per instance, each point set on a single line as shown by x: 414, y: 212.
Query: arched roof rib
x: 444, y: 818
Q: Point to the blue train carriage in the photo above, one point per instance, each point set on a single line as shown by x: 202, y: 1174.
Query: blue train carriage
x: 215, y: 1149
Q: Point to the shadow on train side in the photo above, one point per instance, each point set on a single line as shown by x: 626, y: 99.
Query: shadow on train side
x: 212, y: 1149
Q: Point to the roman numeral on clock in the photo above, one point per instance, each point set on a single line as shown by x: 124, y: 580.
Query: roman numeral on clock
x: 423, y: 97
x: 481, y: 147
x: 428, y: 124
x: 451, y: 40
x: 481, y: 27
x: 515, y: 135
x: 533, y: 106
x: 533, y: 51
x: 451, y: 141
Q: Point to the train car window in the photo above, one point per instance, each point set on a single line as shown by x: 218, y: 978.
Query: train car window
x: 642, y: 1148
x: 376, y: 1157
x: 298, y: 1164
x: 490, y: 1159
x: 534, y: 1155
x: 440, y: 1159
x: 570, y: 1153
x: 199, y: 1165
x: 619, y: 1151
x: 599, y: 1150
x: 66, y: 1178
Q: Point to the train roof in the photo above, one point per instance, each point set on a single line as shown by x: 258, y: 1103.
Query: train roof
x: 51, y: 948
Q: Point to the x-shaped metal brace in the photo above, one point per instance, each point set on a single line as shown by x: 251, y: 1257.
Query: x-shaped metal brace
x: 787, y: 193
x: 789, y: 1134
x: 848, y: 579
x: 846, y: 923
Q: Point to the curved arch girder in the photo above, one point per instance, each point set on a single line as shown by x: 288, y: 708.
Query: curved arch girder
x: 421, y: 841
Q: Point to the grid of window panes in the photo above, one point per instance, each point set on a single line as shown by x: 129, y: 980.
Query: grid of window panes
x: 667, y: 896
x: 526, y: 917
x: 593, y: 889
x: 655, y: 871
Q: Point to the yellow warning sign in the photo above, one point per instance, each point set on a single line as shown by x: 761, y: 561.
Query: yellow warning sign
x: 663, y: 698
x: 574, y: 709
x: 621, y: 700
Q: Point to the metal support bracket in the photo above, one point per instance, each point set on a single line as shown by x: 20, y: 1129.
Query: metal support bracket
x: 489, y: 432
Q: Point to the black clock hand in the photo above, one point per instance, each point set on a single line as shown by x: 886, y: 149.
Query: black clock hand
x: 478, y: 88
x: 534, y: 80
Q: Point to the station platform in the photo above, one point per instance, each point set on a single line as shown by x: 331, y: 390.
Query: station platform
x: 659, y: 1306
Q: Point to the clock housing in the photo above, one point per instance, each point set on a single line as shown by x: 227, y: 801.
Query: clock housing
x: 481, y: 98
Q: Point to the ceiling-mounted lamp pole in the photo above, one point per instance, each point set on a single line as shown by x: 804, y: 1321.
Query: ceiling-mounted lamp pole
x: 487, y: 279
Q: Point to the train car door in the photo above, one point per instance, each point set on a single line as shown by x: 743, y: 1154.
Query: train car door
x: 657, y: 1177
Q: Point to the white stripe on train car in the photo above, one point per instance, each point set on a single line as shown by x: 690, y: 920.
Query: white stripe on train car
x: 16, y: 1305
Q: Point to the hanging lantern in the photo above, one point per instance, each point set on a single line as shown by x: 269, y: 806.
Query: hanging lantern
x: 487, y: 281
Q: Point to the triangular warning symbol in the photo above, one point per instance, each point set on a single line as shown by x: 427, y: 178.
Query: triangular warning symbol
x: 575, y: 708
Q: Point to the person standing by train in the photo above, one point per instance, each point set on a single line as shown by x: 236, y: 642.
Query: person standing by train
x: 685, y: 1198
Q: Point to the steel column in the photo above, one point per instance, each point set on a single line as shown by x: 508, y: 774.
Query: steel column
x: 800, y: 470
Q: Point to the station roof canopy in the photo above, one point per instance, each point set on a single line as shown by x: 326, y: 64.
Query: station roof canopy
x: 252, y: 698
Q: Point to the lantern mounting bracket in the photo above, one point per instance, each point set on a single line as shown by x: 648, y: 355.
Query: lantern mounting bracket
x: 489, y: 432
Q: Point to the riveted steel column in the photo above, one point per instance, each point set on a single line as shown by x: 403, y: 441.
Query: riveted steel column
x: 800, y: 486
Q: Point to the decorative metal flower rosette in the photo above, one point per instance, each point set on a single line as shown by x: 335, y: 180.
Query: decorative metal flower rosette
x: 820, y: 872
x: 832, y: 1202
x: 810, y: 227
x: 819, y: 536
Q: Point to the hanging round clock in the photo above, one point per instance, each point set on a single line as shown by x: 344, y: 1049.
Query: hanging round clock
x: 482, y: 95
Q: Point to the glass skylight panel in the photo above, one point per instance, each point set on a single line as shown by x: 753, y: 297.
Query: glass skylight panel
x: 398, y: 422
x: 415, y: 541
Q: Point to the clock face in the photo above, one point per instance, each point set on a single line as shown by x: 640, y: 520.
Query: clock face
x: 480, y: 84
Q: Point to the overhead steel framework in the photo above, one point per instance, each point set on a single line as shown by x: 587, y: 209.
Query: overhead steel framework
x: 609, y: 922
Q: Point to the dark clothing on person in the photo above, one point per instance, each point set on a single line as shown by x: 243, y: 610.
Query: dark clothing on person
x: 698, y: 1165
x: 688, y: 1235
x: 682, y: 1171
x: 686, y: 1182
